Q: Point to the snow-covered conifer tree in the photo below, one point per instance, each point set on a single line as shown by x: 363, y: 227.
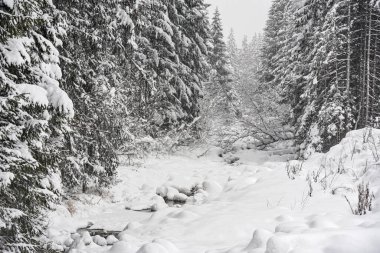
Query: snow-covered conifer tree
x: 33, y: 119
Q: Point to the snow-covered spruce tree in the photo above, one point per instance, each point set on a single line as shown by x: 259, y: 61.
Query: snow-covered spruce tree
x: 158, y: 67
x: 194, y: 48
x: 246, y: 71
x: 365, y: 59
x: 232, y: 48
x: 170, y: 66
x: 331, y: 65
x: 97, y: 56
x: 171, y: 56
x: 300, y: 84
x: 33, y: 119
x: 220, y: 87
x: 273, y: 38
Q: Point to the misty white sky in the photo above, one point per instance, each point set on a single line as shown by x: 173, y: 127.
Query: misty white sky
x: 246, y: 17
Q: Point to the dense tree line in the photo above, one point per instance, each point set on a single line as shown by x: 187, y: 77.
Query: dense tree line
x: 78, y: 81
x: 323, y: 56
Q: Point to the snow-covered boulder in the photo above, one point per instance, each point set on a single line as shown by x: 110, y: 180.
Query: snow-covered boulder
x: 162, y: 191
x: 158, y: 203
x: 86, y: 238
x: 172, y: 194
x: 111, y: 239
x: 101, y: 241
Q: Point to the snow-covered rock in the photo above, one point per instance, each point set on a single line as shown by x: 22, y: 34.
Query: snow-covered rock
x: 158, y: 203
x: 101, y: 241
x: 86, y: 238
x: 111, y: 239
x: 172, y: 193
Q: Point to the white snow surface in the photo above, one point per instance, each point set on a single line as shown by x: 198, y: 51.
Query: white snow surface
x: 250, y: 207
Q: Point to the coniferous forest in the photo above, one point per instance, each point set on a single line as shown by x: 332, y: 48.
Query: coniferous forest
x: 86, y: 86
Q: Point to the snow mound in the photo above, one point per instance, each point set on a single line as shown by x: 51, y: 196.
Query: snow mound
x: 212, y: 188
x: 170, y: 247
x: 355, y: 160
x: 123, y: 247
x: 291, y: 227
x: 277, y: 244
x: 259, y: 239
x: 321, y: 223
x: 152, y: 248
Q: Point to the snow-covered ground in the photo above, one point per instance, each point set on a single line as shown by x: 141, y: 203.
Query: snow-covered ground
x: 260, y: 204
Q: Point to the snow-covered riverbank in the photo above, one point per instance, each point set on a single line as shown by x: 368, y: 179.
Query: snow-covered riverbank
x: 251, y: 206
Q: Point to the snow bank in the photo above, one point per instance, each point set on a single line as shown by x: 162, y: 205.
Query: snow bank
x: 355, y: 160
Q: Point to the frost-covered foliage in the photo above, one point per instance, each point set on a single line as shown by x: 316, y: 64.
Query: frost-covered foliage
x: 324, y: 56
x: 33, y: 118
x: 259, y: 119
